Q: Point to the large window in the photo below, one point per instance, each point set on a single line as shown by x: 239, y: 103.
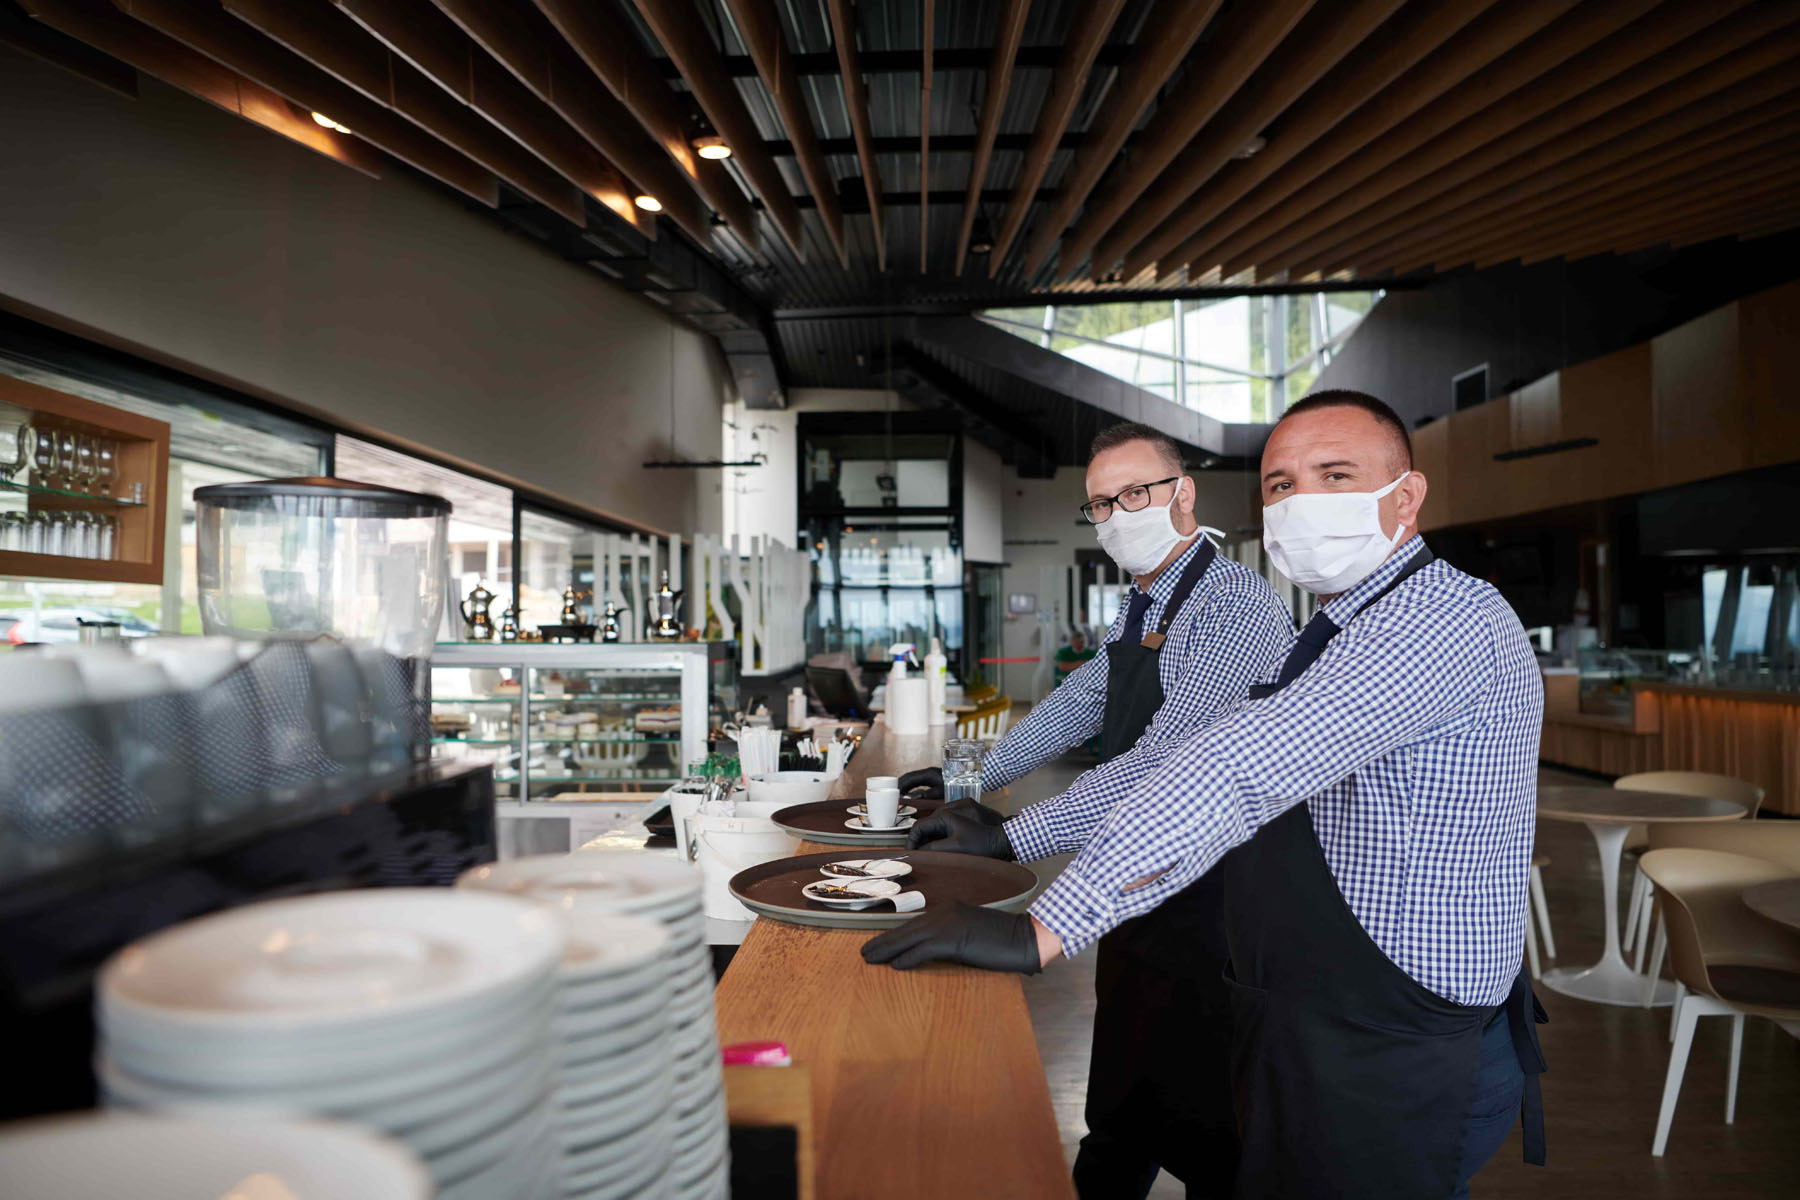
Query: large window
x: 1238, y: 359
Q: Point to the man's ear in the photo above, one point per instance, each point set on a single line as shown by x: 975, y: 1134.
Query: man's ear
x: 1411, y: 492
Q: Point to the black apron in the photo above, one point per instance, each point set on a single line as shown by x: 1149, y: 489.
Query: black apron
x: 1351, y: 1078
x: 1159, y: 1082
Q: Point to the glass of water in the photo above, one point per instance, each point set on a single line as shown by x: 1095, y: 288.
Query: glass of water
x: 962, y: 769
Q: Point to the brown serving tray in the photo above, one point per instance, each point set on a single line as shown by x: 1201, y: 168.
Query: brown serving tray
x: 823, y: 821
x: 773, y: 889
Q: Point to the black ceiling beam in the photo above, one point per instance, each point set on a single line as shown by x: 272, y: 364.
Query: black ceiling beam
x: 954, y: 143
x: 854, y: 200
x: 902, y: 62
x: 1032, y: 459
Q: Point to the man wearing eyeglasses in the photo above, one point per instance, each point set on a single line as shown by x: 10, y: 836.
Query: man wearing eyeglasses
x: 1196, y: 630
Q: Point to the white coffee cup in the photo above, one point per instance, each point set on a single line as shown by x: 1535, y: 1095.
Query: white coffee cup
x: 883, y: 807
x: 880, y: 783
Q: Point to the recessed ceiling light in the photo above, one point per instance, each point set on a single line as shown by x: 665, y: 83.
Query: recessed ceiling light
x: 712, y: 146
x: 648, y: 203
x: 328, y: 123
x: 1250, y: 148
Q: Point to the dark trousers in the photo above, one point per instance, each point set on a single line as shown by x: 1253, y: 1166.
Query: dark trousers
x: 1499, y: 1090
x: 1159, y: 1084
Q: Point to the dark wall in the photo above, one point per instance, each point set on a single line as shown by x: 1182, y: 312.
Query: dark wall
x: 1525, y: 322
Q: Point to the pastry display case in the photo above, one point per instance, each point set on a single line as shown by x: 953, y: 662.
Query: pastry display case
x: 83, y: 488
x: 566, y: 723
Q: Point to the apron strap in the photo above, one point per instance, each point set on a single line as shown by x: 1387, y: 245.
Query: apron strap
x: 1523, y: 1015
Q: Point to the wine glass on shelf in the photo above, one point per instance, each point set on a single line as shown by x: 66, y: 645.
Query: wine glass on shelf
x: 65, y: 460
x: 15, y: 448
x: 43, y: 456
x: 106, y: 463
x: 87, y: 466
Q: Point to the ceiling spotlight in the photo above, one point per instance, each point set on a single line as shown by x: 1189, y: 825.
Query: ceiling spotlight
x: 1250, y: 148
x: 981, y: 240
x: 328, y: 123
x: 647, y: 202
x: 712, y: 146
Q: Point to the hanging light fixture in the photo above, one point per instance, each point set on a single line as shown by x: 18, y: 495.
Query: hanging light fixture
x: 321, y: 119
x: 712, y: 146
x: 647, y: 202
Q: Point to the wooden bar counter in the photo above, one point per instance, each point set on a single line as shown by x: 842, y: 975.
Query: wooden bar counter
x: 926, y: 1083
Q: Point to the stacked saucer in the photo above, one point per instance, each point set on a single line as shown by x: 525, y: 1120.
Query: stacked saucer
x: 174, y: 1158
x: 422, y: 1012
x: 617, y: 1073
x: 667, y: 890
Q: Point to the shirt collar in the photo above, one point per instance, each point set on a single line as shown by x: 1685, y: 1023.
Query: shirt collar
x: 1342, y: 607
x: 1164, y: 587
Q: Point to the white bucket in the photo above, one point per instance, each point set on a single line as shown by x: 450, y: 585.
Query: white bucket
x: 728, y: 845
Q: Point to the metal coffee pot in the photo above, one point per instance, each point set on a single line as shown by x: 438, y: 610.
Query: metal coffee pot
x: 477, y: 625
x: 509, y: 625
x: 609, y: 623
x: 668, y: 621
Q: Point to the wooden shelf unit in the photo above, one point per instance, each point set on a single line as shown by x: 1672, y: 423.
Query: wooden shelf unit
x: 142, y: 456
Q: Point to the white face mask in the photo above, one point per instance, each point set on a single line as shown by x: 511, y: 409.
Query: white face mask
x: 1328, y: 542
x: 1140, y: 541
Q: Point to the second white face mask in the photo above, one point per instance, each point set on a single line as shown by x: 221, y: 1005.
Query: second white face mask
x: 1328, y: 542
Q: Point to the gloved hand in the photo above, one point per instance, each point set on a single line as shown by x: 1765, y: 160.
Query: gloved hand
x: 962, y: 827
x: 929, y: 778
x: 981, y: 937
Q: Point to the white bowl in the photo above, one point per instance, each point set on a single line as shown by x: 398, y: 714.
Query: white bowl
x: 788, y: 788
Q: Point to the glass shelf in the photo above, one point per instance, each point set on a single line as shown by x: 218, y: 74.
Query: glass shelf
x: 668, y: 697
x: 38, y: 489
x: 538, y: 780
x: 654, y: 740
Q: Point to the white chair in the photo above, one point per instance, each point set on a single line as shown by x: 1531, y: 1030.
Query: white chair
x: 1680, y: 783
x: 1733, y: 962
x: 1538, y: 915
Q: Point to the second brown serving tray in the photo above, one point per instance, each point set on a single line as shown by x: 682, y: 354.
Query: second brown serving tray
x: 773, y: 889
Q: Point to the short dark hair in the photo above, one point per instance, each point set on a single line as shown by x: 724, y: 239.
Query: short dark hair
x: 1345, y: 398
x: 1131, y: 431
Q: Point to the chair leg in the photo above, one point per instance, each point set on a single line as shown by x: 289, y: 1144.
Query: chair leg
x: 1675, y: 1009
x: 1531, y: 946
x: 1684, y: 1041
x: 1643, y: 931
x: 1656, y: 962
x: 1638, y: 880
x: 1737, y: 1054
x: 1543, y: 911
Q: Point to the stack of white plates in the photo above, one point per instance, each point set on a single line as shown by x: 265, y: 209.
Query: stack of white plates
x: 667, y: 890
x: 618, y: 1067
x: 174, y: 1158
x: 423, y: 1012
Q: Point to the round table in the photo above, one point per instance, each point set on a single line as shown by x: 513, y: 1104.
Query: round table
x: 1779, y: 901
x: 1609, y: 813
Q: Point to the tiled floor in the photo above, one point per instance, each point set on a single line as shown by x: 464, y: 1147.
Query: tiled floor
x: 1606, y: 1066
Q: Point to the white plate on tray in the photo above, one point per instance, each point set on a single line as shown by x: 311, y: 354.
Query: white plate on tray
x: 870, y: 892
x: 858, y: 810
x: 862, y: 826
x: 872, y: 868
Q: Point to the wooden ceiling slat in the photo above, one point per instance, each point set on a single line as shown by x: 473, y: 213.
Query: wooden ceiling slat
x: 1320, y: 42
x: 334, y: 43
x: 1686, y: 176
x: 677, y: 26
x: 1176, y: 26
x: 1785, y: 216
x: 1453, y: 38
x: 610, y: 47
x: 1009, y: 27
x: 99, y: 25
x: 856, y: 101
x: 759, y: 25
x: 1777, y: 219
x: 1675, y: 108
x: 1392, y: 131
x: 1088, y: 28
x: 59, y: 49
x: 521, y: 40
x: 1248, y: 34
x: 208, y: 31
x: 1651, y: 226
x: 928, y: 34
x: 1721, y: 141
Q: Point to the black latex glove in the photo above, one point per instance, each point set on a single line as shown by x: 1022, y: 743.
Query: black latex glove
x: 981, y: 937
x: 962, y: 827
x: 929, y: 778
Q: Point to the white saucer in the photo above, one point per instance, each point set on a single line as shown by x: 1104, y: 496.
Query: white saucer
x: 594, y: 881
x: 876, y: 868
x: 861, y: 826
x: 605, y: 945
x: 873, y: 891
x: 858, y: 810
x: 106, y: 1154
x: 374, y: 956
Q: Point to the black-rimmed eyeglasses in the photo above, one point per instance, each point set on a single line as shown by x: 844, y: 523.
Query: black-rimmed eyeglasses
x: 1131, y: 499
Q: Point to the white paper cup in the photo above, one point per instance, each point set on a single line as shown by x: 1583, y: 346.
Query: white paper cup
x: 883, y: 807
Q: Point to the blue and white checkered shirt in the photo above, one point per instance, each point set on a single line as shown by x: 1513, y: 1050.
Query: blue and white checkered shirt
x: 1230, y: 632
x: 1413, y: 738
